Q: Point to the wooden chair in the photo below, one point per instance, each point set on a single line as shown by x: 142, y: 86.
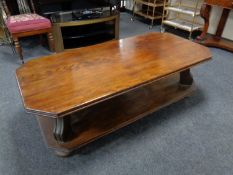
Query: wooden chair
x: 28, y: 24
x: 5, y: 38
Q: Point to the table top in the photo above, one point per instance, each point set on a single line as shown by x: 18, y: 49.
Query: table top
x: 63, y: 83
x: 222, y: 3
x: 61, y: 18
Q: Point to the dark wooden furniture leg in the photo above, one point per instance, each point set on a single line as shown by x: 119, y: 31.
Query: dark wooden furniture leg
x: 205, y: 14
x: 51, y: 42
x: 222, y: 23
x: 54, y: 132
x: 62, y: 129
x: 186, y: 78
x: 116, y: 21
x: 63, y: 153
x: 18, y: 48
x: 215, y: 40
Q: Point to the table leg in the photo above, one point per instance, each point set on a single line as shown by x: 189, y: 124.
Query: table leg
x: 18, y: 48
x: 222, y: 22
x: 47, y: 126
x: 62, y: 129
x: 63, y: 153
x: 116, y: 30
x: 186, y: 78
x: 51, y: 42
x: 205, y: 14
x: 57, y: 36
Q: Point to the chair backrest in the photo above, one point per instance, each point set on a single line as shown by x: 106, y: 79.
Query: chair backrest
x: 6, y: 38
x: 23, y: 6
x: 7, y: 11
x: 31, y: 3
x: 5, y: 8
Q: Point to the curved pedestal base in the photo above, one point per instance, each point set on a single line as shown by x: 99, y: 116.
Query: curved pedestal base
x: 94, y: 122
x: 215, y: 40
x: 63, y: 153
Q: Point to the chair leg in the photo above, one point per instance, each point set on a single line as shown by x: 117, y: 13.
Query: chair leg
x: 41, y: 39
x: 18, y: 49
x: 51, y: 42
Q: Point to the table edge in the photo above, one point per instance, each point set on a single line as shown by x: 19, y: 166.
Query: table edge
x: 103, y: 98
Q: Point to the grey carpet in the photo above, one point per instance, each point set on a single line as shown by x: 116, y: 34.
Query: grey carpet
x: 193, y: 136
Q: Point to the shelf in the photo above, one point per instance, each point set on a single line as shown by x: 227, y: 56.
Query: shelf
x: 85, y: 32
x: 151, y: 3
x: 184, y: 10
x: 149, y: 15
x: 99, y: 120
x: 183, y: 15
x: 80, y: 36
x: 87, y: 40
x: 184, y: 25
x: 150, y: 9
x: 87, y: 35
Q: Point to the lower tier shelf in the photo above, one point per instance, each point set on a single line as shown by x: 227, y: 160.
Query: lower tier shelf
x: 184, y: 10
x: 149, y: 15
x: 181, y: 24
x: 101, y: 119
x: 79, y: 41
x: 151, y: 3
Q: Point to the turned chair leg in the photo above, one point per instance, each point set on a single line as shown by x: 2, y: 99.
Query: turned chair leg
x: 51, y: 42
x: 18, y: 49
x: 41, y: 39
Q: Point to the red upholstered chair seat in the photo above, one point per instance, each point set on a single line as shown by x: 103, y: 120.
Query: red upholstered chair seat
x: 27, y: 22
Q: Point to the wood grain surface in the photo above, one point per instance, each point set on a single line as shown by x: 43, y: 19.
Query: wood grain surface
x: 106, y: 117
x: 60, y: 84
x: 223, y: 3
x: 216, y: 40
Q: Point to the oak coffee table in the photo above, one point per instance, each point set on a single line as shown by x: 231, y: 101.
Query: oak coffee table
x: 83, y: 94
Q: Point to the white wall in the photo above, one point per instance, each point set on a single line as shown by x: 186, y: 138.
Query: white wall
x: 129, y: 4
x: 214, y: 19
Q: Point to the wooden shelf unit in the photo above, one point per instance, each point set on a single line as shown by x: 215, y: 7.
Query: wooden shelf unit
x: 150, y: 9
x: 182, y: 15
x: 85, y: 32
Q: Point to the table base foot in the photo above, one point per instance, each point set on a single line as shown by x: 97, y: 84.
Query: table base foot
x: 63, y: 153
